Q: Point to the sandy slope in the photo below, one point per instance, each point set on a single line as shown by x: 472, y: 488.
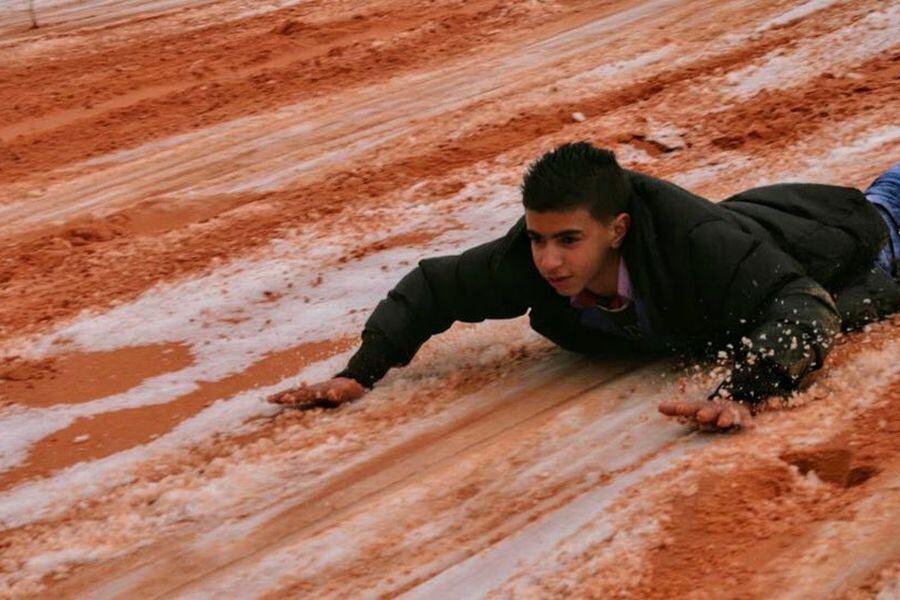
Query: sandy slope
x: 200, y: 202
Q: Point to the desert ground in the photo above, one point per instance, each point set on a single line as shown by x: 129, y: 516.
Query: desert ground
x: 201, y: 202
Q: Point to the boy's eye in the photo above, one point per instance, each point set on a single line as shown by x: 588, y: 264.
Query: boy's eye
x: 568, y: 240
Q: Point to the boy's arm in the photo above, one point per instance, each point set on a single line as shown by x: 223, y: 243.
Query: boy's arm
x: 785, y: 319
x: 794, y: 336
x: 428, y: 300
x: 789, y: 322
x: 485, y: 282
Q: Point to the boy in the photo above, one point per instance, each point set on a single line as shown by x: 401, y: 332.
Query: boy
x: 608, y: 262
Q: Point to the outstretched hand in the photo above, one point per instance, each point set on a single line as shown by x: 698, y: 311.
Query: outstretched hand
x: 711, y: 415
x: 326, y: 394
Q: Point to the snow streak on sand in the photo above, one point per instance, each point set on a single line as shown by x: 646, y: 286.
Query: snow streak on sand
x: 222, y: 347
x: 798, y: 12
x: 581, y: 523
x: 805, y: 161
x: 288, y: 143
x: 494, y: 465
x: 870, y: 36
x: 54, y: 15
x: 202, y: 314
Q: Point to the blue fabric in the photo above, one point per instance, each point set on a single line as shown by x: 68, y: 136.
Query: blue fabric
x: 631, y: 323
x: 884, y: 193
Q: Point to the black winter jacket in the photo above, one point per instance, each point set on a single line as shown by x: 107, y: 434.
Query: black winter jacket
x: 756, y: 271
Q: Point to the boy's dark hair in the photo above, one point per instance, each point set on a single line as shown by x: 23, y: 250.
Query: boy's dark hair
x: 577, y: 175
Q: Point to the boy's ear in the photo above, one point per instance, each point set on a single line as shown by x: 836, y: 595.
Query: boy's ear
x: 619, y: 228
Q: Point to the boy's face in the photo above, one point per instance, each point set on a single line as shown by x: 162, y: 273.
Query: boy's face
x: 572, y: 250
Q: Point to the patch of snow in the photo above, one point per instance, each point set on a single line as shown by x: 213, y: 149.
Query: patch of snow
x: 797, y: 12
x: 821, y: 167
x: 620, y: 68
x: 193, y: 312
x: 476, y: 576
x: 725, y: 163
x: 870, y: 36
x: 627, y: 154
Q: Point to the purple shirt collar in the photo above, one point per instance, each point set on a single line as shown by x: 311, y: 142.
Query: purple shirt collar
x: 587, y: 299
x: 623, y: 287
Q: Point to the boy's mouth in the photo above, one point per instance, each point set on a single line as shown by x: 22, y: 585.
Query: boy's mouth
x: 557, y: 281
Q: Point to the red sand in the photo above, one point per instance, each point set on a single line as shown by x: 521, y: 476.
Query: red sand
x: 742, y: 517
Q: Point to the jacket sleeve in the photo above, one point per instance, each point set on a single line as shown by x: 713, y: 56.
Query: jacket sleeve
x: 755, y: 292
x: 467, y: 287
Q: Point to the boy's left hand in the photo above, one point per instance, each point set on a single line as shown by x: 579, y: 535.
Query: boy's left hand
x: 326, y: 394
x: 715, y: 415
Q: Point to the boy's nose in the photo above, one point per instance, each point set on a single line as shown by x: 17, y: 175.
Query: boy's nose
x: 549, y: 260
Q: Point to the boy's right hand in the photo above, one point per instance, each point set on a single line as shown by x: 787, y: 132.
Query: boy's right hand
x: 719, y: 414
x: 327, y: 393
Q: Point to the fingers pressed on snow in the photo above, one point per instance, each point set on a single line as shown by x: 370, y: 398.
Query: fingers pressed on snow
x: 668, y: 407
x: 687, y: 409
x: 709, y: 414
x: 728, y: 417
x: 279, y: 399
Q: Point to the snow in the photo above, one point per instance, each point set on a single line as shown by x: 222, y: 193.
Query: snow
x: 53, y: 561
x: 708, y: 173
x: 622, y: 68
x: 822, y: 166
x: 193, y: 309
x: 266, y: 152
x: 192, y: 312
x: 296, y: 560
x: 798, y: 12
x: 478, y: 575
x: 868, y: 37
x: 876, y: 139
x: 54, y: 13
x: 891, y: 590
